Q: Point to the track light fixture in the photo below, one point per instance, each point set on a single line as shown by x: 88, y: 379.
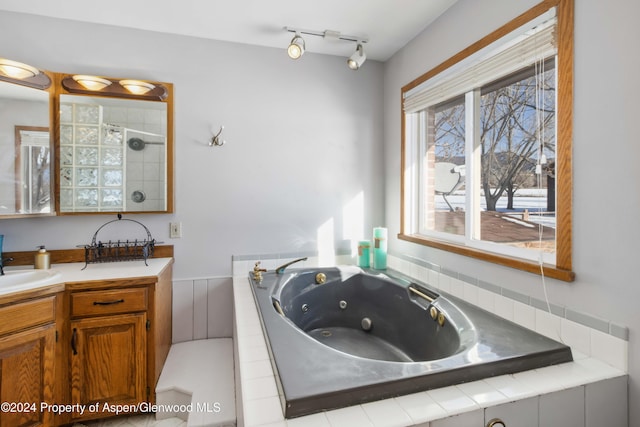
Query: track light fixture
x: 297, y: 46
x: 357, y: 59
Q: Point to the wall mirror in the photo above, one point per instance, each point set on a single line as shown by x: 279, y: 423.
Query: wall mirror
x: 115, y: 146
x: 26, y: 161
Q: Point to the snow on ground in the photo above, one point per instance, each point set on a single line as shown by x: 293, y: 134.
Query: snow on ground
x: 532, y: 199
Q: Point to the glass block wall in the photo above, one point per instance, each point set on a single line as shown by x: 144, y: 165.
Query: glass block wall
x: 92, y: 173
x: 102, y: 166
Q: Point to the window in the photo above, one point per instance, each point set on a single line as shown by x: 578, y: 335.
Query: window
x: 487, y: 147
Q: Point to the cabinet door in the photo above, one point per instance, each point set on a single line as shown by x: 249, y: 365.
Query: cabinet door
x: 108, y: 363
x: 27, y: 361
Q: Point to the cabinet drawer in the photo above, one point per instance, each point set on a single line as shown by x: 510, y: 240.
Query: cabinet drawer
x: 23, y: 315
x: 95, y: 303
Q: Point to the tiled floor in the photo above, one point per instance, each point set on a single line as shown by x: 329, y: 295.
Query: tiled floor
x: 134, y: 421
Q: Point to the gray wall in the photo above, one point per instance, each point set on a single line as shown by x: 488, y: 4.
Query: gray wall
x: 303, y: 139
x: 606, y: 152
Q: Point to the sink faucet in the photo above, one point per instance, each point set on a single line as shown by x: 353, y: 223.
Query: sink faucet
x: 281, y: 269
x: 2, y: 260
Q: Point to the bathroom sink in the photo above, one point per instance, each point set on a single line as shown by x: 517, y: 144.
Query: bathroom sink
x: 17, y: 280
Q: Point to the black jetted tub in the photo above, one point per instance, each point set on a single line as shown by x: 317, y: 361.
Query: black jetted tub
x: 344, y: 336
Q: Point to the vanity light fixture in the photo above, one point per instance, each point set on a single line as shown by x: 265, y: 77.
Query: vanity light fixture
x: 137, y: 87
x: 119, y: 88
x: 91, y: 82
x: 297, y: 46
x: 357, y: 59
x: 17, y: 70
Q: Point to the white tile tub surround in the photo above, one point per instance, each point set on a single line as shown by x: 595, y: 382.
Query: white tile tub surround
x: 599, y: 381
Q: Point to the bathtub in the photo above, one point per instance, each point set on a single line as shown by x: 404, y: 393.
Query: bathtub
x: 344, y: 336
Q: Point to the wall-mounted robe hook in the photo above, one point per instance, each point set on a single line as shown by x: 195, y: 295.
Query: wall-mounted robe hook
x: 215, y: 139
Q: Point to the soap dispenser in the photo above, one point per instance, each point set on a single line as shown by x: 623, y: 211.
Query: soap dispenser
x: 43, y: 259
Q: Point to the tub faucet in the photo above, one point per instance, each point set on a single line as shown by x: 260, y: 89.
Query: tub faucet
x: 257, y: 272
x: 281, y: 269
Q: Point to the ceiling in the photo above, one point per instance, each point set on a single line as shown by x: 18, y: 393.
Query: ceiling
x: 387, y: 24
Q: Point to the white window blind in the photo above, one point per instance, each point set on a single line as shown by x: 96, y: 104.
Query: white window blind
x: 522, y: 48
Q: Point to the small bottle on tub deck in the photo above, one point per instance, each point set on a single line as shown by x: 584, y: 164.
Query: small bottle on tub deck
x: 380, y: 248
x: 42, y: 259
x: 364, y: 253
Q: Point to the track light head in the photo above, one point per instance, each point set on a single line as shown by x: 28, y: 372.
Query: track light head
x: 296, y: 47
x: 356, y: 60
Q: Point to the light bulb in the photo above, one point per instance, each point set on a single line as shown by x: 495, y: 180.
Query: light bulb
x: 17, y: 70
x: 296, y: 47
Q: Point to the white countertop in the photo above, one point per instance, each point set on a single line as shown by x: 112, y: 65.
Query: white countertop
x: 74, y: 272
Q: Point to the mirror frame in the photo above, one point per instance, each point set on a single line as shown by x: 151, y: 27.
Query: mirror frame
x: 45, y: 81
x: 163, y: 92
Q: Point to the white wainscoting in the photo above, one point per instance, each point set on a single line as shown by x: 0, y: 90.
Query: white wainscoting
x: 202, y: 308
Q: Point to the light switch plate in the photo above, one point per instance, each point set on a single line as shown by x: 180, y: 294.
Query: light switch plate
x: 175, y: 230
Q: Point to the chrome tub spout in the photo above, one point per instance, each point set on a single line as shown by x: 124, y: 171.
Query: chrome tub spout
x: 281, y: 269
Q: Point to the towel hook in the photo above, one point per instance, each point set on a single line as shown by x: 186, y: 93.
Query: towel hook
x: 215, y: 139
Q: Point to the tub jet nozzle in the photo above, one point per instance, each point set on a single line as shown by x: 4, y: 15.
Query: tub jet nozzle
x: 366, y: 324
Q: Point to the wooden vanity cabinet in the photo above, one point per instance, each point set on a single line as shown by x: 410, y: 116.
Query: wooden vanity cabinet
x: 108, y: 350
x: 120, y: 334
x: 28, y: 357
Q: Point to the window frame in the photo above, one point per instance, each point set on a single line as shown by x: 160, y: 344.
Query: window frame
x: 562, y: 270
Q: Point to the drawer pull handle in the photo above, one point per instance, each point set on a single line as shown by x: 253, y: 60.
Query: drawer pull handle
x: 74, y: 338
x: 118, y: 301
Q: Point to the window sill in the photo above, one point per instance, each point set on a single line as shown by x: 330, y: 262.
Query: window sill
x: 519, y: 264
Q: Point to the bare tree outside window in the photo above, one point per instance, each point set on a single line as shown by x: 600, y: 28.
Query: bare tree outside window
x: 517, y: 141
